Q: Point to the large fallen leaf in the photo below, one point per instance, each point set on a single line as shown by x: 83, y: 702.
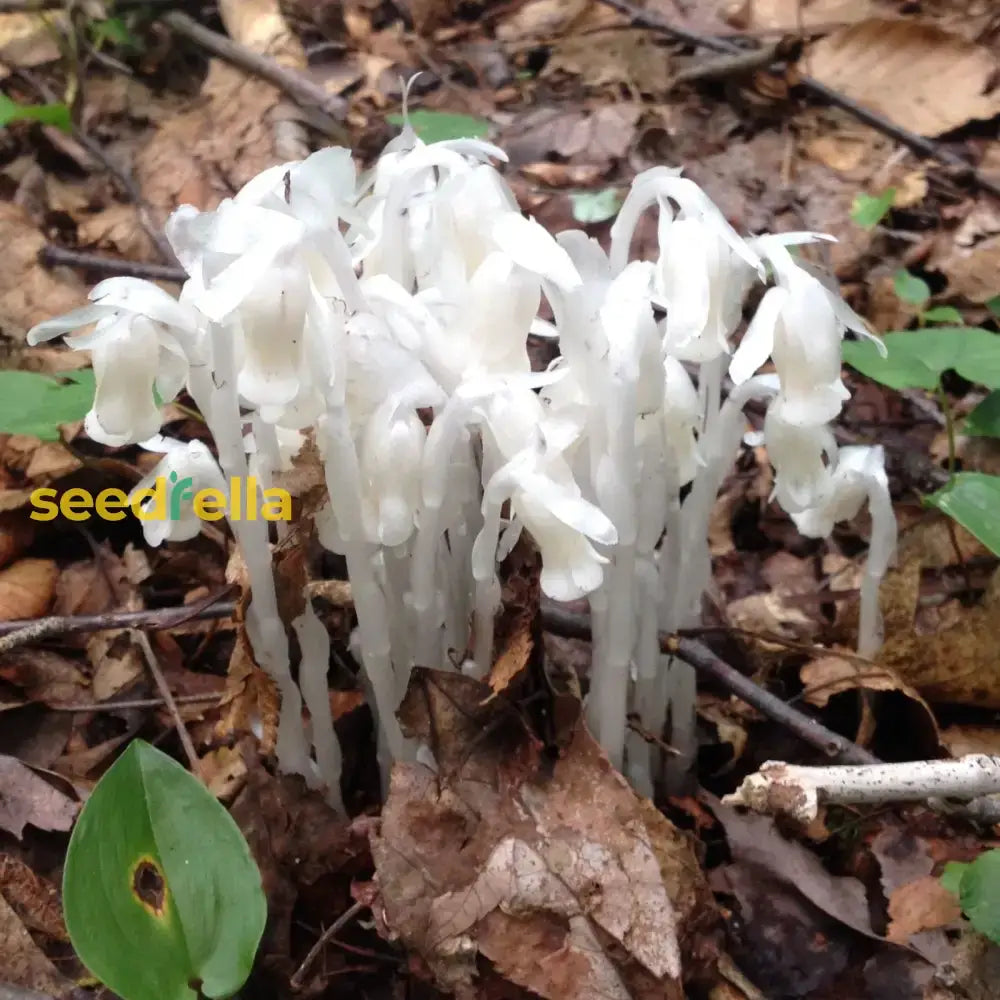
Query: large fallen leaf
x: 916, y: 74
x: 28, y: 798
x: 27, y: 588
x: 792, y: 15
x: 570, y: 884
x: 33, y: 898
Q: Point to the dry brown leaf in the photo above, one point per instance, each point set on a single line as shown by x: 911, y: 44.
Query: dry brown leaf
x: 33, y: 898
x: 792, y: 15
x: 531, y: 867
x: 44, y: 676
x: 117, y: 662
x: 29, y: 798
x: 972, y: 271
x: 17, y: 530
x: 260, y: 25
x: 22, y: 962
x: 920, y: 906
x: 962, y: 740
x: 613, y: 59
x: 224, y: 771
x: 27, y: 588
x: 919, y: 76
x: 29, y: 293
x: 83, y: 589
x: 29, y: 39
x: 541, y: 20
x: 843, y: 153
x: 116, y: 229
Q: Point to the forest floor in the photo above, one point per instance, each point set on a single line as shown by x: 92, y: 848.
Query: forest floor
x: 112, y: 115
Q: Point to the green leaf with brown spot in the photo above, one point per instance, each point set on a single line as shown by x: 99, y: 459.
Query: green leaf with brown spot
x: 160, y: 892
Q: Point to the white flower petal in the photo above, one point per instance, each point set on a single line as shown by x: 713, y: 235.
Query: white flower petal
x: 758, y: 341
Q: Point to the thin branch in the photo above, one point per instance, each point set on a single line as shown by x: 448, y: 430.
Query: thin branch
x: 34, y: 630
x: 314, y: 952
x: 142, y: 641
x: 924, y: 147
x: 109, y: 706
x: 561, y: 621
x: 294, y: 84
x: 56, y: 256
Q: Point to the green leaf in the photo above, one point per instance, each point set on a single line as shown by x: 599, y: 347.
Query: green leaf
x: 595, y: 206
x: 868, y: 210
x: 113, y: 30
x: 160, y: 892
x: 37, y: 404
x: 984, y: 420
x: 909, y: 288
x: 994, y: 306
x: 943, y: 314
x: 917, y: 358
x: 973, y: 500
x: 47, y: 114
x: 980, y: 894
x: 951, y: 877
x: 436, y: 126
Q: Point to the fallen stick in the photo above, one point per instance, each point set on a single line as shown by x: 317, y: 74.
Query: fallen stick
x: 798, y: 792
x: 55, y: 256
x: 925, y: 147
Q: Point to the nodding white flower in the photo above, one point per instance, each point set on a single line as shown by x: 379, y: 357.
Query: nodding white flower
x: 546, y: 499
x: 682, y: 413
x: 186, y: 469
x: 797, y: 452
x: 704, y: 266
x: 800, y: 323
x: 141, y: 345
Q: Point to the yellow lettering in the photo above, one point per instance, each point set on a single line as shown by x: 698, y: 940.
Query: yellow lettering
x: 157, y: 510
x: 44, y: 504
x: 281, y: 499
x: 75, y: 504
x: 236, y: 499
x: 111, y: 505
x: 251, y: 514
x: 210, y: 505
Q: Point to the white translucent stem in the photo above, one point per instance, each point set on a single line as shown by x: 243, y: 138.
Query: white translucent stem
x: 217, y: 398
x: 487, y: 592
x: 314, y: 643
x: 343, y: 481
x: 268, y: 461
x: 397, y: 565
x: 800, y: 791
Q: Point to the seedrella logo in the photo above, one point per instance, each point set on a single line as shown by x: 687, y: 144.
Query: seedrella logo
x: 169, y: 498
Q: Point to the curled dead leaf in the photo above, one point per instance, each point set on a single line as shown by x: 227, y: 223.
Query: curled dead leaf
x: 29, y: 798
x: 920, y: 906
x: 22, y: 962
x: 27, y: 588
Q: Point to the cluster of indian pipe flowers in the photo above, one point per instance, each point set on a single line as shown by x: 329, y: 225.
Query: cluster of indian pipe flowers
x: 386, y: 316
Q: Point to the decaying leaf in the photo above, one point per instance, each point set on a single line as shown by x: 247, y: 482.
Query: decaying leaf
x: 44, y: 676
x: 916, y: 74
x: 792, y: 15
x: 920, y: 906
x: 547, y: 873
x: 33, y: 898
x: 22, y: 962
x: 28, y: 798
x: 27, y: 588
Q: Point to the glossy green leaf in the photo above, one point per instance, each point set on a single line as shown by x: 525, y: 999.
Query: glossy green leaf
x: 909, y: 288
x: 161, y: 895
x: 979, y: 895
x: 917, y: 358
x: 436, y: 126
x: 943, y: 314
x: 993, y: 305
x: 590, y: 207
x: 951, y: 877
x: 47, y: 114
x: 869, y: 210
x: 973, y: 500
x: 984, y: 420
x: 37, y: 404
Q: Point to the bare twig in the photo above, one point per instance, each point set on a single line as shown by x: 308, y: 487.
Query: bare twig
x: 109, y: 706
x: 569, y: 623
x: 740, y: 63
x: 924, y: 147
x: 55, y: 256
x: 34, y: 630
x: 314, y: 952
x: 295, y: 85
x: 142, y: 641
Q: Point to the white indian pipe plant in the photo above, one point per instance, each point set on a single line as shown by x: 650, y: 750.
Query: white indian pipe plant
x: 387, y: 315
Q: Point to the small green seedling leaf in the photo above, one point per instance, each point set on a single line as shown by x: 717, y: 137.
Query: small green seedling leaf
x: 869, y: 210
x: 979, y: 894
x: 951, y: 877
x: 993, y: 305
x: 909, y: 288
x: 437, y: 126
x: 114, y: 31
x: 47, y: 114
x: 590, y: 207
x: 162, y: 897
x: 37, y: 404
x: 916, y: 359
x: 984, y: 420
x: 943, y: 314
x: 973, y: 500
